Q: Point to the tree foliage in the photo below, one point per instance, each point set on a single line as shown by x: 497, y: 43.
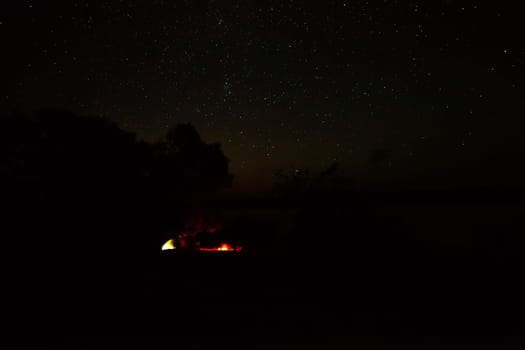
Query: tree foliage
x: 298, y: 183
x: 81, y: 183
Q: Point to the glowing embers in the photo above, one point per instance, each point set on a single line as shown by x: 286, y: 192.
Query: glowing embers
x: 183, y: 245
x: 169, y: 245
x: 223, y: 247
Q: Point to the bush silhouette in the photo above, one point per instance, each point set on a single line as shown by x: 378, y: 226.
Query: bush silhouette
x: 79, y: 184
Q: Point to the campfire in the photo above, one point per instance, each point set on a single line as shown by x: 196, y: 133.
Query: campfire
x: 201, y: 236
x: 182, y: 243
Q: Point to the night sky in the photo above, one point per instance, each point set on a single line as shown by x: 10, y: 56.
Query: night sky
x: 435, y: 87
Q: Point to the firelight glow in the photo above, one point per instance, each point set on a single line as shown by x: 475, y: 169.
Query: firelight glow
x: 224, y: 247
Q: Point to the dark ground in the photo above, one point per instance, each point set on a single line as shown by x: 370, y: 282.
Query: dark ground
x: 248, y: 302
x: 421, y: 275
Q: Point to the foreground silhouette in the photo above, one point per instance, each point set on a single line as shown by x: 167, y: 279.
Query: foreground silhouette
x: 80, y: 185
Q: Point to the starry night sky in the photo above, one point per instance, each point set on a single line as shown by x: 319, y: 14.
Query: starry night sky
x: 434, y: 86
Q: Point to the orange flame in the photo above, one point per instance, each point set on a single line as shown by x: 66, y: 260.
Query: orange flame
x: 223, y: 247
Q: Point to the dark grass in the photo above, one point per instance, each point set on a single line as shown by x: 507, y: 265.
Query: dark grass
x: 364, y: 274
x: 245, y: 301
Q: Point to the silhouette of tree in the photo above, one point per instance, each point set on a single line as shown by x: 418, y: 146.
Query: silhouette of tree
x: 379, y: 156
x: 294, y: 183
x: 79, y: 183
x: 182, y: 137
x: 302, y: 183
x: 187, y: 167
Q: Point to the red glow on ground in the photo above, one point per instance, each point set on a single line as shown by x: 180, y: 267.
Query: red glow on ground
x: 223, y: 247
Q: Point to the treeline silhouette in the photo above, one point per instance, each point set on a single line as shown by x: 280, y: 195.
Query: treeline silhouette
x: 331, y: 217
x: 334, y: 219
x: 74, y: 185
